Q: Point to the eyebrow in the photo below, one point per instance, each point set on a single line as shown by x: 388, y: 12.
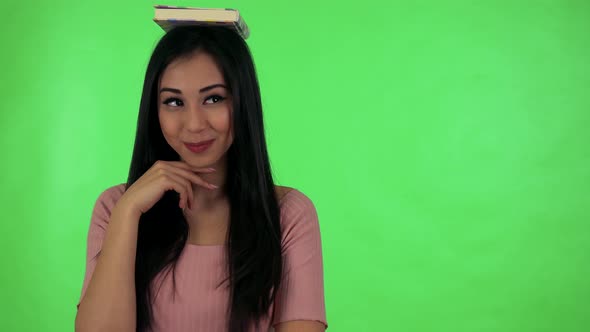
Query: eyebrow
x: 205, y: 89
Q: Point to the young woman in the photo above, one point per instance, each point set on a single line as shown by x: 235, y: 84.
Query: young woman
x: 200, y: 238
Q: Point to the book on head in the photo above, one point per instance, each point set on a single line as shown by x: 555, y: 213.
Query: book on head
x: 168, y: 17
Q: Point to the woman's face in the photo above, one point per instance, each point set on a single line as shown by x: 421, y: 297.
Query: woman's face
x: 195, y: 106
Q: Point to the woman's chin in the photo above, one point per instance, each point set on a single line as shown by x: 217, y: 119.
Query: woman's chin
x: 197, y: 164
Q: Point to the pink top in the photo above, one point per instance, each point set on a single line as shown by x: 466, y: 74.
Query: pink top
x: 198, y: 304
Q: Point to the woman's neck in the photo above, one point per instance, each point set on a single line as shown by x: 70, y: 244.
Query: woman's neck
x: 207, y: 199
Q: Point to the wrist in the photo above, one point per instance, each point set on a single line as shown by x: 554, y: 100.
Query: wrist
x: 126, y: 212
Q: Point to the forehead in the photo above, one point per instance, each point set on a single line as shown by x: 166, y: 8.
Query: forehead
x: 197, y: 70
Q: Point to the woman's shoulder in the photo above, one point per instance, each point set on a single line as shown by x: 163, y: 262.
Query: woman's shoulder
x: 106, y: 201
x: 111, y: 195
x: 294, y: 204
x: 289, y: 196
x: 281, y: 191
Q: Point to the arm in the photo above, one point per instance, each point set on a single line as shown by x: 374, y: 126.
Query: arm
x: 108, y: 302
x: 299, y: 305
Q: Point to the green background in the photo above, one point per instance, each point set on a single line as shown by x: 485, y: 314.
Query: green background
x: 445, y: 145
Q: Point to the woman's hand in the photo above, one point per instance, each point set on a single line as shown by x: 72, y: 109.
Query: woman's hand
x: 161, y: 177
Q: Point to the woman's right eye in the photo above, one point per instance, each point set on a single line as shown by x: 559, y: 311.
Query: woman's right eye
x: 169, y: 100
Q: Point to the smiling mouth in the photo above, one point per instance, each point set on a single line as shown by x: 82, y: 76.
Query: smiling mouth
x: 200, y: 143
x: 199, y: 147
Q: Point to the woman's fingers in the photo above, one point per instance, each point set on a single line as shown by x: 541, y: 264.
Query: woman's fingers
x: 184, y: 174
x: 184, y: 165
x: 180, y: 185
x: 198, y: 180
x: 203, y: 170
x: 191, y: 174
x: 189, y: 190
x: 161, y: 177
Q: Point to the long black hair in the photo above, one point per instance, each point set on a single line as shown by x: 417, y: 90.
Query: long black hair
x: 254, y: 256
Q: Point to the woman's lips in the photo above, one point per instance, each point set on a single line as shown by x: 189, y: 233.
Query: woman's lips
x: 199, y: 147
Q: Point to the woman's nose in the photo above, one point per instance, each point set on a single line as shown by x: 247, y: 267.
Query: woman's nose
x: 196, y: 118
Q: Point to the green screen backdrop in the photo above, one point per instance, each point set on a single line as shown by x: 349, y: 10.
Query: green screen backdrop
x: 445, y: 145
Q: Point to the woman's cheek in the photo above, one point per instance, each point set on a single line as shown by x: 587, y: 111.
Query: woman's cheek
x: 222, y: 120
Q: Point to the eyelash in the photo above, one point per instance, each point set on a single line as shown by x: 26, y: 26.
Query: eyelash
x: 220, y: 99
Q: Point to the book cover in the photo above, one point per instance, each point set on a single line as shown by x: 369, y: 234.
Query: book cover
x: 168, y: 17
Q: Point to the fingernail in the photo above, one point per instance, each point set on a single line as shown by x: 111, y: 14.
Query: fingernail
x: 213, y: 186
x: 211, y: 169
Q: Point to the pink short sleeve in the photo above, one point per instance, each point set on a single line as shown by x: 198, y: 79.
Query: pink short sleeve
x: 301, y: 295
x: 98, y: 225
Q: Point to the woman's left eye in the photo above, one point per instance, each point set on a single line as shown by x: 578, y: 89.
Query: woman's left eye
x: 214, y: 99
